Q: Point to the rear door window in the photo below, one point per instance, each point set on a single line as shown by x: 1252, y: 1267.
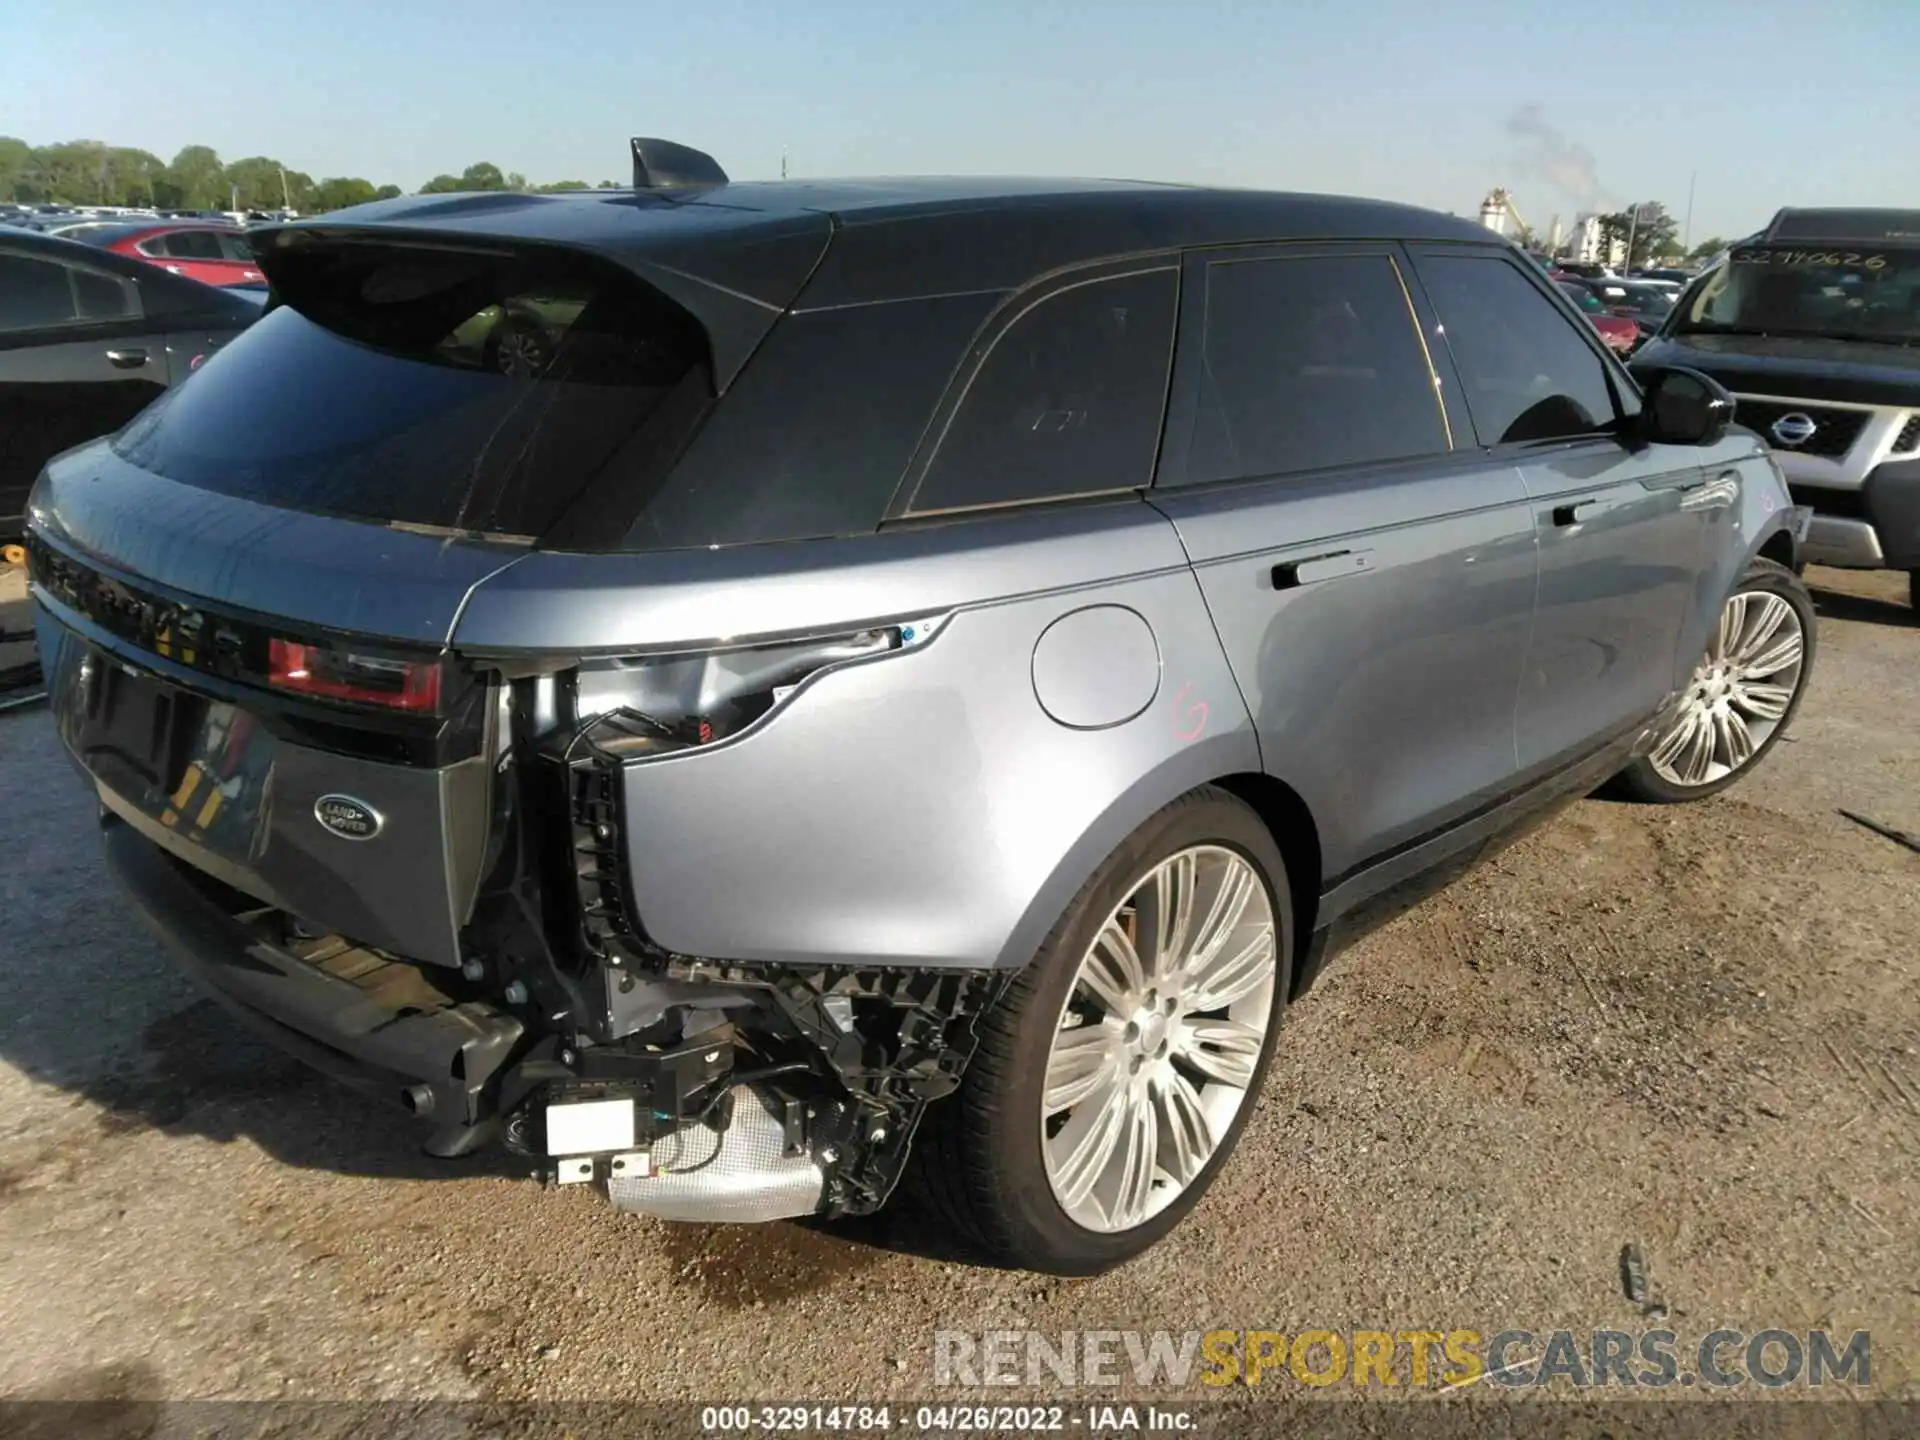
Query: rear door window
x: 192, y: 245
x: 1528, y: 372
x: 35, y: 294
x: 1310, y: 362
x: 1066, y: 399
x: 471, y: 390
x: 39, y: 294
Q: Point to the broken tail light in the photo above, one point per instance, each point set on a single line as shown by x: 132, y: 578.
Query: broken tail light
x: 355, y: 677
x: 653, y: 704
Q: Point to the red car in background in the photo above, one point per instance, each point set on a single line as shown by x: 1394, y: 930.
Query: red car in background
x: 211, y: 254
x: 1620, y: 333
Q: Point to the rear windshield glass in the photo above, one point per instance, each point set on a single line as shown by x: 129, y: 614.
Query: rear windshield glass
x: 464, y: 390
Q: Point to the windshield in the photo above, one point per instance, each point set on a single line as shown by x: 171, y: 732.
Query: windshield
x: 1641, y: 301
x: 1582, y: 297
x: 1777, y: 290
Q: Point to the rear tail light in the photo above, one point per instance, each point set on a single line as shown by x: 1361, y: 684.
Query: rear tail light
x: 360, y: 679
x: 647, y: 705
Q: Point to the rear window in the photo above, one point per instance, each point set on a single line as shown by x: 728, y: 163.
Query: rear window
x: 472, y: 390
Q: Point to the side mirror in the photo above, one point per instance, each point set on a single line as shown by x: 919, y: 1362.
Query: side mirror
x: 1683, y: 407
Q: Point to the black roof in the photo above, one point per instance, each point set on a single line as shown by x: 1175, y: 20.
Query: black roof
x: 738, y: 255
x: 901, y: 237
x: 1844, y: 227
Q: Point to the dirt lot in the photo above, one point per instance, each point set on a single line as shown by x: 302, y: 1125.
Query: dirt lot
x: 1696, y: 1029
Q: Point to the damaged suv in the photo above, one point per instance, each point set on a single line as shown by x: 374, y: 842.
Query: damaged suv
x: 904, y: 669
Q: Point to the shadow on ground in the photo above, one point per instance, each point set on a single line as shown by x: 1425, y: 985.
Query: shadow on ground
x: 91, y: 1004
x: 1841, y: 605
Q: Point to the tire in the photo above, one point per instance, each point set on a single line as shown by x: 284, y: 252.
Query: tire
x: 983, y: 1154
x: 517, y: 347
x: 1661, y: 777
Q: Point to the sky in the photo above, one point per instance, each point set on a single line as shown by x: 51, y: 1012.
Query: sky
x: 1433, y: 102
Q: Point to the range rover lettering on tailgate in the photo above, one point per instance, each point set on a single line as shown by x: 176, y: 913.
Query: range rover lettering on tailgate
x: 756, y: 694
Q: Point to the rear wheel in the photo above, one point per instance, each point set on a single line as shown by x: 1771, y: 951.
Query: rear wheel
x: 1112, y: 1082
x: 1742, y: 695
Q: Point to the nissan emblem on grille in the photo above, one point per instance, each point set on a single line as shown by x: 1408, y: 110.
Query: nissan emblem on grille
x: 347, y: 817
x: 1794, y: 428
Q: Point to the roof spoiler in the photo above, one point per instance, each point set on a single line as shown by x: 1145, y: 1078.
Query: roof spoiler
x: 663, y: 165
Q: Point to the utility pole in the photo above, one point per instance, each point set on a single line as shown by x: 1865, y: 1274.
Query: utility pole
x: 783, y: 162
x: 1633, y: 223
x: 1686, y: 232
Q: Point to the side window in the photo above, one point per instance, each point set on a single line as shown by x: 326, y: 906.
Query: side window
x: 34, y: 294
x: 194, y: 245
x: 101, y: 297
x: 235, y: 247
x: 1527, y: 373
x: 1067, y: 402
x: 1310, y: 362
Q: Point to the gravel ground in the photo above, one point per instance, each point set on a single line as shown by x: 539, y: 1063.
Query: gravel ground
x: 1695, y: 1029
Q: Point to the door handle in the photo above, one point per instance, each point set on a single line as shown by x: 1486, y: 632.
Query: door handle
x: 126, y: 359
x: 1291, y: 574
x: 1714, y: 494
x: 1576, y: 512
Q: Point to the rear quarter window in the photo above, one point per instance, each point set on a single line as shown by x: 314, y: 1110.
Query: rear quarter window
x: 1065, y: 398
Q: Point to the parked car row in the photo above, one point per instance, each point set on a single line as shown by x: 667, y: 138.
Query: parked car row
x: 88, y: 336
x: 842, y: 690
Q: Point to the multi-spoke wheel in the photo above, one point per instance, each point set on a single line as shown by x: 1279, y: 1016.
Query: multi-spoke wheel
x: 1158, y: 1039
x: 1742, y: 693
x: 1113, y: 1080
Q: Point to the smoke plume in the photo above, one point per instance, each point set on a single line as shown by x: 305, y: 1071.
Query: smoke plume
x: 1548, y: 155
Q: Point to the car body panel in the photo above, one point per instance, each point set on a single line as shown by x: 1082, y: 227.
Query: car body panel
x: 1383, y: 696
x: 316, y: 570
x: 61, y: 386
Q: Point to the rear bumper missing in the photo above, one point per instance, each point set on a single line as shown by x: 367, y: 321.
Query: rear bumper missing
x: 378, y: 1025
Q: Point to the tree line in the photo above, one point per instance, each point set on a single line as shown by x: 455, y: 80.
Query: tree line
x: 91, y: 172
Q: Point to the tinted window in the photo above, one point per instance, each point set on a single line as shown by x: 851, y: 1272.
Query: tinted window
x: 101, y: 297
x: 34, y: 294
x: 460, y: 390
x: 235, y: 247
x: 1527, y: 372
x: 1310, y: 363
x: 192, y: 245
x: 1068, y: 401
x: 814, y: 436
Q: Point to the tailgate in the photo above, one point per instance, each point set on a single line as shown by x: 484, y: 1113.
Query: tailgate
x: 370, y: 825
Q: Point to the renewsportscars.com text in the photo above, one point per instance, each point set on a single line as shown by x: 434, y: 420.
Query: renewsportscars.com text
x: 1415, y: 1359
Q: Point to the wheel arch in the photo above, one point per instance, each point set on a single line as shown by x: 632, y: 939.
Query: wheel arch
x: 1229, y: 762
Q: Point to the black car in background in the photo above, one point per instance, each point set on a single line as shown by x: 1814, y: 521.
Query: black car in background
x: 1814, y: 325
x: 87, y: 338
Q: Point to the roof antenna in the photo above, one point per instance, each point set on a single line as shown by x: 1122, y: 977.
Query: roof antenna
x: 664, y: 165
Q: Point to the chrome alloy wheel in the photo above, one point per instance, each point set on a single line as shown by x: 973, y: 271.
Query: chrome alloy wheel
x: 1739, y: 693
x: 1159, y: 1039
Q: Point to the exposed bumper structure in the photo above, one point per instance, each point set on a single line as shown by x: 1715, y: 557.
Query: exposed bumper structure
x: 748, y: 1171
x: 383, y: 1027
